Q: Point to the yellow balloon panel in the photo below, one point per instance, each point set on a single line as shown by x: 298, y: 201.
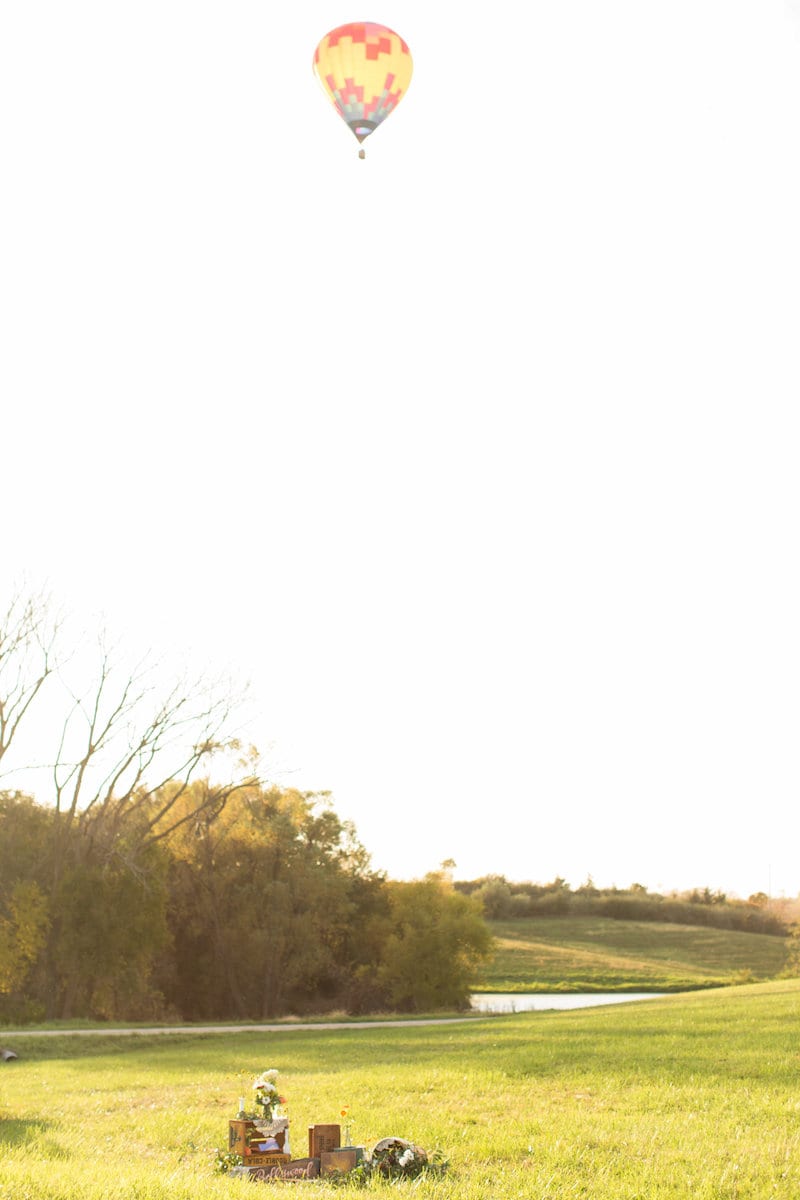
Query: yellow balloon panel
x: 365, y: 70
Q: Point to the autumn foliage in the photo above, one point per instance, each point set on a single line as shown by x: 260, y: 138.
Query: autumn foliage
x: 264, y: 907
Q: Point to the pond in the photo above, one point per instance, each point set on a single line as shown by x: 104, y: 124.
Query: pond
x: 509, y: 1002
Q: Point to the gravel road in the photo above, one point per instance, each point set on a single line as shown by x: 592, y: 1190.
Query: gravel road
x: 287, y: 1028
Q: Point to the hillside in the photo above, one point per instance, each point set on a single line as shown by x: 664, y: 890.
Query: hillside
x: 601, y: 954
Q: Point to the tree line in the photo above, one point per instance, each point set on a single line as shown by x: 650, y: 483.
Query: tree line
x: 163, y: 876
x: 502, y: 900
x: 263, y: 907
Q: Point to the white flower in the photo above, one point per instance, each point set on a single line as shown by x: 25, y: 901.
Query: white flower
x: 264, y: 1082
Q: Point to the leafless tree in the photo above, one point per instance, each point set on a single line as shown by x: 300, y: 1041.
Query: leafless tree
x: 28, y: 638
x: 132, y: 744
x: 127, y: 744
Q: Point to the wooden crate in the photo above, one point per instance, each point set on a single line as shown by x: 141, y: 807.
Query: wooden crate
x: 254, y: 1158
x: 242, y: 1132
x: 323, y: 1137
x: 339, y: 1161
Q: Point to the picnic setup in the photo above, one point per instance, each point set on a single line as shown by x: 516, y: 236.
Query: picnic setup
x: 259, y: 1145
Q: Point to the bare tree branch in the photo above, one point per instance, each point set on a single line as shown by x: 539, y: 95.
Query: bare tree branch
x: 28, y: 639
x: 131, y: 741
x: 132, y: 745
x: 101, y: 725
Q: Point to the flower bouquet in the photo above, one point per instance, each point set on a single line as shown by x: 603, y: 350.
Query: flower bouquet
x: 395, y: 1156
x: 267, y: 1097
x: 273, y: 1130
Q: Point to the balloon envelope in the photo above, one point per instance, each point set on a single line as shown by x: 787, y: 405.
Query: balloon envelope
x: 365, y: 69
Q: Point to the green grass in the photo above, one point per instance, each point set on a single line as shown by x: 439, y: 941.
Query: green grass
x: 599, y: 954
x: 686, y: 1096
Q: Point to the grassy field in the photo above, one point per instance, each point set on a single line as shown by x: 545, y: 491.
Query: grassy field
x: 686, y: 1096
x: 599, y: 954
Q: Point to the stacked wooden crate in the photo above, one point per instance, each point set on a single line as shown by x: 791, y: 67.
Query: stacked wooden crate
x: 326, y: 1156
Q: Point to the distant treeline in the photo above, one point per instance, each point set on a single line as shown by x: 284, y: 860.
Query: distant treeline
x: 503, y: 901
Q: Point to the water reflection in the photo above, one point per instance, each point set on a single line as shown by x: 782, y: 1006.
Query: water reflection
x: 509, y: 1002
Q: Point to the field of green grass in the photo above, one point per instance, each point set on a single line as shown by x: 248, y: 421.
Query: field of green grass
x: 600, y: 954
x: 684, y: 1096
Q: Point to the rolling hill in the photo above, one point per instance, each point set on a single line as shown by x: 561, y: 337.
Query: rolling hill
x: 581, y: 954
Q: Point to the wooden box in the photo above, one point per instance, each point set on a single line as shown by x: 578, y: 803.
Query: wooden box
x: 323, y: 1137
x: 253, y: 1158
x: 339, y: 1161
x: 242, y: 1132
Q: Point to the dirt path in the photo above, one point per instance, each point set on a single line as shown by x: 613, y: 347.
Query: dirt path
x: 103, y: 1032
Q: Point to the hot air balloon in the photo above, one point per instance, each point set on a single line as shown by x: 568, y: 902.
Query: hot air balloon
x: 365, y: 70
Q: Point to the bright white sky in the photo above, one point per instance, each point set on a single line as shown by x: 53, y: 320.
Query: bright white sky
x: 480, y: 457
